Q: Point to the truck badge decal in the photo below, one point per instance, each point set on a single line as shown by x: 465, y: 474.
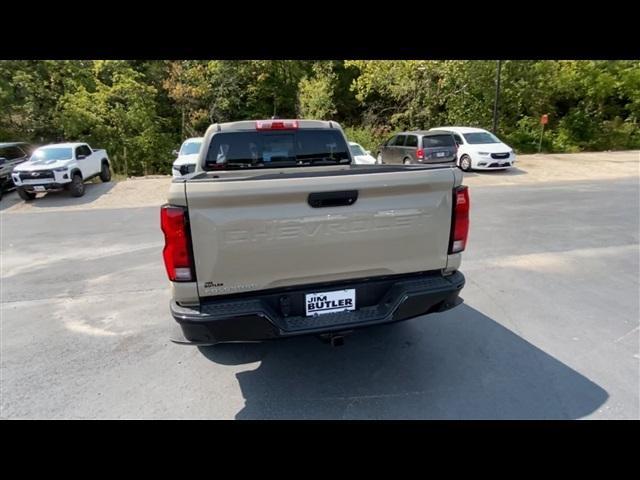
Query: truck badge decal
x: 211, y: 288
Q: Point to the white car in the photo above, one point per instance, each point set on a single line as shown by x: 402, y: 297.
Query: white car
x: 479, y: 149
x: 187, y: 157
x: 360, y: 155
x: 60, y: 166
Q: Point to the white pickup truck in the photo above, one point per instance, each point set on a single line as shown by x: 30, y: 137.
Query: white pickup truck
x: 60, y: 166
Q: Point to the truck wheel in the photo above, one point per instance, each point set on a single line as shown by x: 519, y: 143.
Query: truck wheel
x: 77, y: 186
x: 407, y: 161
x: 105, y: 173
x: 26, y: 196
x: 465, y: 163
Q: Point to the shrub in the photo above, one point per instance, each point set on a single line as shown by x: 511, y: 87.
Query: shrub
x: 369, y: 137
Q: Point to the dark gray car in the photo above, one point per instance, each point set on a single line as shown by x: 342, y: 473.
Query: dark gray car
x: 418, y: 147
x: 12, y: 154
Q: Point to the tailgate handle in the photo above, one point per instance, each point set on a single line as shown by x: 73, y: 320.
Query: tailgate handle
x: 333, y: 199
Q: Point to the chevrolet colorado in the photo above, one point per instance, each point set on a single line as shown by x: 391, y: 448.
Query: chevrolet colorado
x: 60, y: 166
x: 277, y: 233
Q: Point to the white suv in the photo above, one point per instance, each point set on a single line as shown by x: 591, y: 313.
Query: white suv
x: 187, y: 157
x: 479, y: 149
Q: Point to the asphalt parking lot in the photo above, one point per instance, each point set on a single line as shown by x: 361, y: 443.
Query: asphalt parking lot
x: 549, y: 327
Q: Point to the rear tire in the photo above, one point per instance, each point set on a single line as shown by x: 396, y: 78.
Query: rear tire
x: 26, y: 196
x: 105, y: 173
x: 465, y: 163
x: 407, y: 161
x: 77, y: 186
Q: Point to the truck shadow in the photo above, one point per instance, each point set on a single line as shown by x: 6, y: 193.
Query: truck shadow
x: 459, y: 364
x: 93, y: 191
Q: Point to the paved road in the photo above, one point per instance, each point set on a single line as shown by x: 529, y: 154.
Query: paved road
x: 549, y: 328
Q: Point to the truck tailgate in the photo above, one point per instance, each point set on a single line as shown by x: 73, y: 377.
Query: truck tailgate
x: 256, y: 234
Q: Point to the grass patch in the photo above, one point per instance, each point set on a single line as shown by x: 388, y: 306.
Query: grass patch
x: 118, y: 177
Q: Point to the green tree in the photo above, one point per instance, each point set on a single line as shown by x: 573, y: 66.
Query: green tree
x: 118, y: 114
x: 29, y: 95
x: 149, y: 106
x: 222, y: 90
x: 316, y: 93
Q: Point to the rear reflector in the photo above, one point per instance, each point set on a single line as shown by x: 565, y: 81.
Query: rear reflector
x: 420, y: 154
x: 276, y: 124
x: 460, y: 220
x: 177, y: 257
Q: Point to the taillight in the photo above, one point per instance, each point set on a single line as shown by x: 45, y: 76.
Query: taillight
x: 420, y: 154
x: 177, y: 257
x: 276, y: 124
x: 460, y: 220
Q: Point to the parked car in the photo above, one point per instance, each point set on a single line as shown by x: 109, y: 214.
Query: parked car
x: 260, y: 243
x: 187, y: 156
x: 12, y: 154
x: 418, y: 147
x: 360, y: 155
x: 479, y: 149
x: 60, y: 166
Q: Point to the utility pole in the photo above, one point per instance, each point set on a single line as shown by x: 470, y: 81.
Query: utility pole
x: 182, y: 123
x: 126, y: 169
x: 495, y: 103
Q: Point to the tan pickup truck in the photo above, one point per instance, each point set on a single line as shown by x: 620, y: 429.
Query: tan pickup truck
x: 277, y: 233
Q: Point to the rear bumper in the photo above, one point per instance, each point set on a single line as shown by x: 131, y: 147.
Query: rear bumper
x: 435, y: 161
x: 265, y: 315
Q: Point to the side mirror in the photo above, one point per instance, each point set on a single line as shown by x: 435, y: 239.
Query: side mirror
x: 176, y: 153
x: 81, y: 157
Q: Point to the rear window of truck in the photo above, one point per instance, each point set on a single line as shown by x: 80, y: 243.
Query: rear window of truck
x: 237, y: 150
x: 432, y: 141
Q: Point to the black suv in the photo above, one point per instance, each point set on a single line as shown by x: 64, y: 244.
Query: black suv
x: 419, y: 147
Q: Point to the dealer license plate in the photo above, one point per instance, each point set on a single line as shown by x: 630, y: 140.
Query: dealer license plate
x: 330, y: 302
